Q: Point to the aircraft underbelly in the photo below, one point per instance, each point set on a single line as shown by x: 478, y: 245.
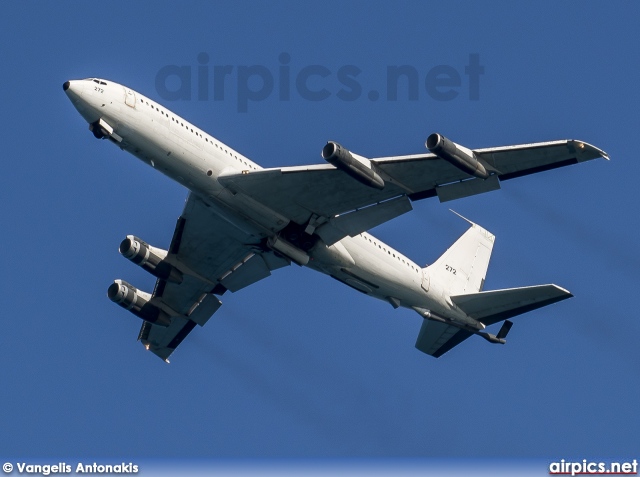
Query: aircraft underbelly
x: 383, y: 278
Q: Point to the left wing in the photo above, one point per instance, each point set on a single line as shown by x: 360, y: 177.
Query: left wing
x: 218, y: 257
x: 317, y: 193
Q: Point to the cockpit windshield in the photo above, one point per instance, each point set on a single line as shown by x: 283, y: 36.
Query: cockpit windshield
x: 96, y: 80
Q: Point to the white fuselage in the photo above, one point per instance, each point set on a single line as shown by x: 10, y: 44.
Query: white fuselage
x: 196, y: 160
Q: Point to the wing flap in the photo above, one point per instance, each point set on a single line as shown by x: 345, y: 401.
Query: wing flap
x: 249, y: 271
x: 204, y: 309
x: 361, y: 220
x: 458, y: 190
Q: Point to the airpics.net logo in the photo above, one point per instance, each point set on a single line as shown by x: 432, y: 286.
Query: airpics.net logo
x: 586, y: 467
x: 288, y: 79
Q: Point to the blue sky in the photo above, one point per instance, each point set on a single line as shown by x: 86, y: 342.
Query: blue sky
x: 299, y: 366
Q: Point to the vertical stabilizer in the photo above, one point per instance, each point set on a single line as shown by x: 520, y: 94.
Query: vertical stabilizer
x: 463, y: 267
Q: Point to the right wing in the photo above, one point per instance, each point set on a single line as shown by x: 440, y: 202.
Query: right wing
x: 320, y: 192
x: 219, y: 257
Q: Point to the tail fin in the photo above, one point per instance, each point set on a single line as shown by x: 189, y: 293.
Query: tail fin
x: 463, y: 267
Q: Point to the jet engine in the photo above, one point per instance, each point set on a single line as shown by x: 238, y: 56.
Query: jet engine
x: 137, y: 302
x: 359, y: 168
x: 150, y: 258
x: 459, y: 156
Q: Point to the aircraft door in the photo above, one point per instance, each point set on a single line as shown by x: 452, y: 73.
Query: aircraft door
x: 129, y: 97
x: 425, y: 280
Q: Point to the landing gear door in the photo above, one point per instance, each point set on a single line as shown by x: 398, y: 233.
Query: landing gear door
x: 425, y: 280
x: 129, y: 97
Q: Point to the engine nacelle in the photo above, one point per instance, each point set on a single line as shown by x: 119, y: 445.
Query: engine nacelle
x: 461, y: 157
x: 360, y: 169
x: 137, y: 302
x: 150, y: 258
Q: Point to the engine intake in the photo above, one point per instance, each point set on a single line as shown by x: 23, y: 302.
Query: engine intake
x: 137, y: 302
x: 459, y: 156
x: 150, y: 258
x: 361, y: 169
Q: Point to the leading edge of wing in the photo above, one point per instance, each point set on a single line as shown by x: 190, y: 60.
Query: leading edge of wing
x: 588, y: 151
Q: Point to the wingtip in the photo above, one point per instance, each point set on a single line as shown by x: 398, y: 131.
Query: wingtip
x: 565, y: 293
x: 586, y: 146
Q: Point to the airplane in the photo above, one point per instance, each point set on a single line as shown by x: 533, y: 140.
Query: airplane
x: 241, y: 222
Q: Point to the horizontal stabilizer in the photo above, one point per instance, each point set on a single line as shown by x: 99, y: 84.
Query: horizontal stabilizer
x: 497, y: 305
x: 436, y: 338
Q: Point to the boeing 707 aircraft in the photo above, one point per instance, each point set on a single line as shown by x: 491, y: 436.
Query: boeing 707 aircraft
x: 241, y: 222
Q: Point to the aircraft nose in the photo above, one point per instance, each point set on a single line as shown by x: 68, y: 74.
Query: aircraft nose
x: 73, y: 89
